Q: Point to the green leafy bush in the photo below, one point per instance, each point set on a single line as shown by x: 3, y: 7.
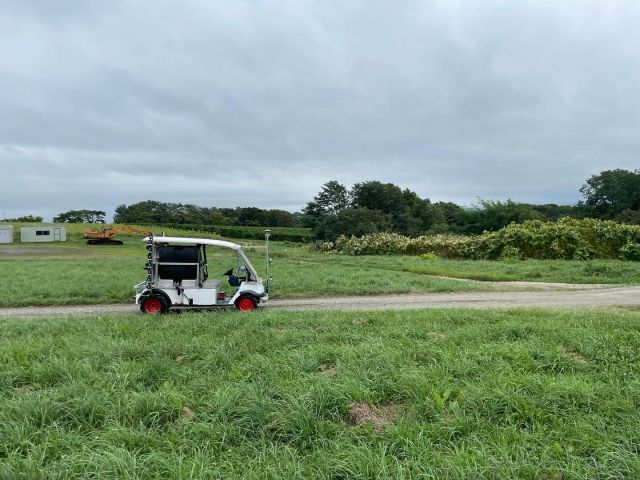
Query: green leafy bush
x: 568, y: 238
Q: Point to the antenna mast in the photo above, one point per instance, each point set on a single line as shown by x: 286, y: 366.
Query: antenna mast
x: 267, y: 234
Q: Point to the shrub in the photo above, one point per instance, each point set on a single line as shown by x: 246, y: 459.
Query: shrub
x: 568, y: 238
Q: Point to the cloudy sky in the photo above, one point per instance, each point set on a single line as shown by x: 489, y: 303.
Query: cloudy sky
x: 232, y: 103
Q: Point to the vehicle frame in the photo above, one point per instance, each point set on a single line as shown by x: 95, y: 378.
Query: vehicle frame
x: 178, y: 277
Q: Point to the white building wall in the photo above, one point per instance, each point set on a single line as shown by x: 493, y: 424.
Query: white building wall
x: 43, y: 234
x: 6, y: 234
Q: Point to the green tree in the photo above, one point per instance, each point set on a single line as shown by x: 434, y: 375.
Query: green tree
x: 251, y: 216
x: 148, y: 212
x: 25, y: 219
x: 80, y: 216
x: 453, y: 216
x: 332, y: 198
x: 353, y: 221
x: 553, y: 212
x: 632, y: 217
x: 492, y: 216
x: 280, y: 218
x: 610, y: 192
x: 151, y: 212
x: 375, y: 195
x: 411, y: 214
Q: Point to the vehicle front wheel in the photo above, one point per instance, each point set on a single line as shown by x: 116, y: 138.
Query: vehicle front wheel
x: 153, y: 306
x: 245, y: 304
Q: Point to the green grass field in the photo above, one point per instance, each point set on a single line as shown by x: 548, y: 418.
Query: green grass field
x: 563, y: 271
x: 394, y: 394
x: 411, y: 394
x: 76, y: 273
x: 106, y: 274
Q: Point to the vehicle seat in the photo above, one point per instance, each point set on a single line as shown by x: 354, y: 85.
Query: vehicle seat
x: 211, y: 283
x: 189, y: 283
x: 165, y: 283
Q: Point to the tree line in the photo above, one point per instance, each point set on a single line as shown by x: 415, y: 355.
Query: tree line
x: 80, y: 216
x: 25, y: 219
x: 151, y: 212
x: 373, y: 206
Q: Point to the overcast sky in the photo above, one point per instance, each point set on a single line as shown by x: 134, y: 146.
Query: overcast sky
x: 231, y: 103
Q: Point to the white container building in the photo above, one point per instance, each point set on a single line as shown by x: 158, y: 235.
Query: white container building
x: 6, y: 233
x: 43, y: 233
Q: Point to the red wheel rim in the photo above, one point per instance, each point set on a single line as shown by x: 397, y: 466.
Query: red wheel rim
x: 152, y: 306
x: 245, y: 304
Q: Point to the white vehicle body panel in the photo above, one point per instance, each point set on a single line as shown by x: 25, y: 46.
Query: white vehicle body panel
x: 256, y: 288
x: 199, y: 296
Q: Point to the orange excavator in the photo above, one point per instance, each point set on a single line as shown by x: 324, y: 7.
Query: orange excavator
x: 104, y: 235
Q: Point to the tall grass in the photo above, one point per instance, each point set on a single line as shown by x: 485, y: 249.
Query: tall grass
x: 482, y: 394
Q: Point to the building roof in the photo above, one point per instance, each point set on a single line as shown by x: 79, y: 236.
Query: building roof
x: 194, y: 241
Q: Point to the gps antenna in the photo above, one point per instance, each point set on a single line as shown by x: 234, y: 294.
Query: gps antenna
x: 267, y: 234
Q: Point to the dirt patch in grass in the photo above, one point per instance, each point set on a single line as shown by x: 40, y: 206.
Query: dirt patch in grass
x: 379, y: 417
x: 327, y: 369
x: 23, y: 390
x: 576, y: 357
x: 185, y: 414
x: 436, y: 335
x: 360, y: 321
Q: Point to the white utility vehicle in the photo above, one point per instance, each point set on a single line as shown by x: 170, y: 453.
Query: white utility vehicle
x: 177, y: 277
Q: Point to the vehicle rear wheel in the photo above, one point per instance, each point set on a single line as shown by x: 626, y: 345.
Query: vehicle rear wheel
x: 245, y: 304
x: 153, y: 306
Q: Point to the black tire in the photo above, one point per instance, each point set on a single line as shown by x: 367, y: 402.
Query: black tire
x: 153, y: 305
x: 246, y: 303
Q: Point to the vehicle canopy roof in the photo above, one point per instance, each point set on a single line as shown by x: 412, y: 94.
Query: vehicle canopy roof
x: 194, y: 241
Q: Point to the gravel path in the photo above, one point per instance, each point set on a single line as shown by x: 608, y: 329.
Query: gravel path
x: 556, y: 296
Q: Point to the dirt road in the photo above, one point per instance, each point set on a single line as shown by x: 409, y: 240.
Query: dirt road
x: 586, y: 296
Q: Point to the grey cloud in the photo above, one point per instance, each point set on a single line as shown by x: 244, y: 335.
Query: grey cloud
x: 238, y: 103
